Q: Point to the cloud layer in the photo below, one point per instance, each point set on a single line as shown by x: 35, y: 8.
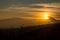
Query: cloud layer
x: 29, y: 10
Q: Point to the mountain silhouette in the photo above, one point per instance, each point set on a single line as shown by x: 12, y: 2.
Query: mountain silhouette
x: 54, y: 20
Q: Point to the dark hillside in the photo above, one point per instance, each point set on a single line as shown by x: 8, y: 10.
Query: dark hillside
x: 43, y: 32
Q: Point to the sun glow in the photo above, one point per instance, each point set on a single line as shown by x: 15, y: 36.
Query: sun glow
x: 46, y: 15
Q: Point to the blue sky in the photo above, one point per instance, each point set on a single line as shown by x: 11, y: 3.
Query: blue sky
x: 28, y: 8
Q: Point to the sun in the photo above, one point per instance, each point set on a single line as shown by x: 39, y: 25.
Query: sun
x: 45, y: 16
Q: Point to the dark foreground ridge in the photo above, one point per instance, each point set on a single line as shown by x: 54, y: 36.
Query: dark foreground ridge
x: 41, y: 32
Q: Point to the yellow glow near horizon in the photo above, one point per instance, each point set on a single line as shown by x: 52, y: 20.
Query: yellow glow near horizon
x: 46, y: 15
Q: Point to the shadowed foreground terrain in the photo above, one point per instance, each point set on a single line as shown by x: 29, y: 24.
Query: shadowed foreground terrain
x: 41, y: 32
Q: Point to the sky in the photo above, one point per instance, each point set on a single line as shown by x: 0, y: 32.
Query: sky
x: 29, y: 9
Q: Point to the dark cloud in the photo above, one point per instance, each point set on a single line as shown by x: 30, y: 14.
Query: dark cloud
x: 45, y: 1
x: 53, y: 7
x: 29, y: 16
x: 35, y: 11
x: 36, y: 6
x: 27, y: 2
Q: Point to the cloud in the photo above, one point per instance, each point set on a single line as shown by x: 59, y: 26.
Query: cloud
x: 45, y: 1
x: 47, y: 4
x: 29, y: 11
x: 7, y: 3
x: 36, y: 6
x: 32, y: 7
